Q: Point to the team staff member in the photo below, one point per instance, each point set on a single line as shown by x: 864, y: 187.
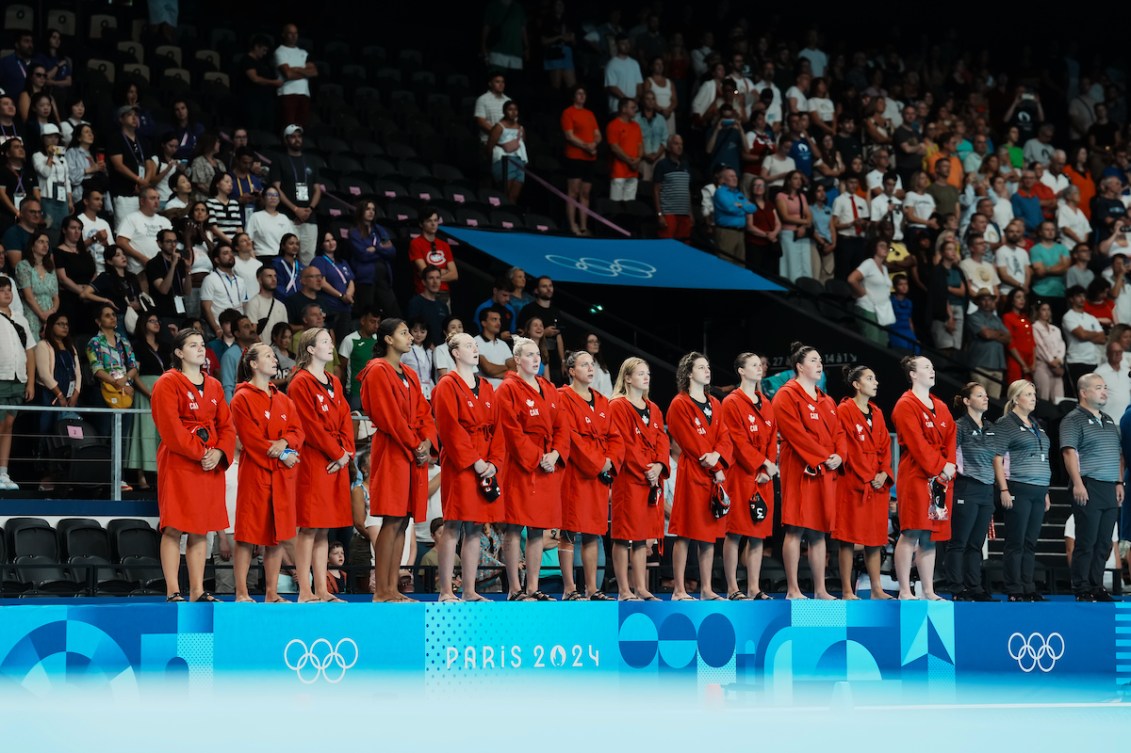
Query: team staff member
x: 472, y: 451
x: 695, y: 423
x: 749, y: 420
x: 813, y: 447
x: 323, y: 476
x: 925, y: 430
x: 536, y: 431
x: 1090, y: 444
x: 1025, y: 493
x: 973, y: 494
x: 403, y: 443
x: 638, y: 509
x: 197, y: 443
x: 863, y: 492
x: 596, y: 455
x: 268, y: 428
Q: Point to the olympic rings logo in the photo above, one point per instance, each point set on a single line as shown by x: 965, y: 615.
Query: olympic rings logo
x: 1036, y: 651
x: 320, y: 659
x: 637, y: 270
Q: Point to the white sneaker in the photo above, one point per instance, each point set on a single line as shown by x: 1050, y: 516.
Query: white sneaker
x: 6, y: 483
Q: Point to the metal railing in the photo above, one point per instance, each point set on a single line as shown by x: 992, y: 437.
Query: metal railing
x: 115, y: 437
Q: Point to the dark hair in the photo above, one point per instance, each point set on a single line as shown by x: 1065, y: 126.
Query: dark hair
x: 430, y: 268
x: 48, y: 263
x: 214, y: 254
x: 204, y: 143
x: 448, y: 320
x: 172, y: 182
x: 963, y: 394
x: 683, y: 370
x: 853, y: 374
x: 283, y: 241
x: 426, y: 212
x: 5, y: 282
x: 493, y: 308
x: 179, y: 341
x: 599, y: 359
x: 244, y: 370
x: 260, y: 40
x: 110, y: 251
x: 899, y: 277
x: 50, y: 324
x: 1073, y: 291
x: 797, y: 353
x: 278, y: 329
x: 359, y: 210
x: 244, y: 151
x: 214, y: 186
x: 741, y: 359
x: 387, y: 328
x: 1097, y: 286
x: 229, y: 316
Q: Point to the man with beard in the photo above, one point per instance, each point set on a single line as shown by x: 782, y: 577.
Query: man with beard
x: 264, y: 309
x: 222, y: 287
x: 1012, y: 259
x: 548, y: 312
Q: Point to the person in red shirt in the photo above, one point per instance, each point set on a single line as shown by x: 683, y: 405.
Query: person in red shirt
x: 749, y: 419
x: 1021, y: 354
x: 863, y: 492
x: 268, y: 427
x: 582, y: 135
x: 404, y: 441
x: 197, y: 444
x: 626, y: 142
x: 813, y: 447
x: 324, y: 474
x: 430, y: 250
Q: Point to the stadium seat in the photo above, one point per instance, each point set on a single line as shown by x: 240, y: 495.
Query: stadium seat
x: 102, y: 24
x: 492, y: 197
x: 222, y: 37
x: 333, y: 145
x: 378, y: 166
x: 82, y: 537
x: 344, y: 163
x: 217, y: 78
x: 132, y: 537
x: 401, y: 212
x: 471, y: 217
x: 447, y: 215
x: 446, y: 173
x: 413, y: 169
x: 133, y: 49
x: 426, y: 189
x: 364, y: 147
x: 408, y: 58
x: 144, y: 572
x: 457, y: 81
x: 389, y: 189
x: 31, y: 536
x: 171, y: 52
x: 505, y: 220
x: 374, y: 55
x: 103, y: 67
x: 104, y: 577
x: 353, y: 188
x: 540, y: 223
x: 177, y: 77
x: 460, y: 194
x: 63, y: 20
x: 136, y: 71
x: 20, y: 17
x: 44, y: 574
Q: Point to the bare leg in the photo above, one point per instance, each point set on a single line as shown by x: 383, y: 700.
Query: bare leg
x: 565, y: 563
x: 387, y: 559
x: 320, y: 566
x: 904, y: 551
x: 753, y: 566
x: 620, y: 570
x: 304, y: 554
x: 470, y: 560
x: 241, y: 563
x: 847, y: 582
x: 706, y: 566
x: 512, y: 550
x: 272, y: 563
x: 447, y: 558
x: 589, y: 557
x: 925, y: 564
x: 171, y: 560
x: 640, y: 569
x: 395, y: 562
x: 568, y: 78
x: 582, y: 217
x: 791, y: 558
x: 731, y: 545
x: 817, y: 567
x: 533, y: 557
x: 196, y: 551
x: 679, y: 569
x: 872, y: 562
x: 573, y: 187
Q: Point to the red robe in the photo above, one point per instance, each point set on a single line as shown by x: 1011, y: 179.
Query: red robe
x: 398, y: 487
x: 325, y: 415
x: 755, y: 440
x: 926, y: 444
x: 633, y: 518
x: 810, y: 432
x: 467, y: 428
x: 691, y: 516
x: 189, y: 498
x: 265, y: 505
x: 593, y: 438
x: 532, y: 426
x: 861, y: 511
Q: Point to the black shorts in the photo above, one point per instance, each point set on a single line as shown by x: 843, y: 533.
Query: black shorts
x: 580, y: 169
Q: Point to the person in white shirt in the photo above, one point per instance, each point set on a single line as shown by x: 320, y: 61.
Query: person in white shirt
x: 17, y: 372
x: 778, y: 164
x: 268, y: 226
x: 774, y: 113
x: 495, y: 358
x: 818, y: 60
x: 918, y: 205
x: 489, y: 105
x: 1071, y: 220
x: 797, y: 96
x: 1117, y: 380
x: 874, y: 180
x: 1083, y: 334
x: 872, y: 287
x: 1012, y: 259
x: 1053, y: 176
x: 979, y: 273
x: 247, y: 266
x: 137, y: 233
x: 743, y: 86
x: 851, y: 217
x: 96, y: 232
x: 296, y: 71
x: 622, y: 75
x: 222, y: 287
x: 887, y: 206
x: 1120, y: 292
x: 54, y: 178
x: 263, y: 308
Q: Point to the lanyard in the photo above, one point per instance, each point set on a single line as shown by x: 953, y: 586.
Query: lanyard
x: 292, y: 272
x: 229, y: 283
x: 294, y: 171
x: 136, y: 151
x: 336, y: 268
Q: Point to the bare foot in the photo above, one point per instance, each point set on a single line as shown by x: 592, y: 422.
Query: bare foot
x: 710, y: 596
x: 682, y: 596
x: 848, y: 596
x: 824, y: 596
x: 474, y: 597
x: 932, y: 597
x: 628, y: 596
x: 309, y: 599
x: 907, y: 596
x: 276, y: 599
x: 795, y: 596
x: 244, y: 600
x: 402, y: 598
x: 645, y: 595
x: 881, y: 596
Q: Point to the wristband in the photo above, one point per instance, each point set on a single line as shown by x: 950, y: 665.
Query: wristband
x: 287, y: 452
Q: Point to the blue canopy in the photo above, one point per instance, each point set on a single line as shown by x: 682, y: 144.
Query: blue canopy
x: 638, y: 263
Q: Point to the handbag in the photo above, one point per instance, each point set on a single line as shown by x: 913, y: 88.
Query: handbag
x: 116, y: 398
x: 759, y: 510
x: 937, y: 509
x: 720, y: 503
x: 655, y: 495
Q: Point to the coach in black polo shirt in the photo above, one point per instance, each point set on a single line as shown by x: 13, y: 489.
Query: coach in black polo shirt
x: 1089, y: 441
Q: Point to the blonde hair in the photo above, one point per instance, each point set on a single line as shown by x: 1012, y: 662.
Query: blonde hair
x: 520, y: 343
x: 454, y: 340
x: 303, y: 357
x: 1015, y: 389
x: 630, y: 365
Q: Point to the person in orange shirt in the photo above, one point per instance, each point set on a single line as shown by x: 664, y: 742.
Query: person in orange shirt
x: 1080, y: 176
x: 582, y: 135
x: 626, y: 142
x: 948, y: 145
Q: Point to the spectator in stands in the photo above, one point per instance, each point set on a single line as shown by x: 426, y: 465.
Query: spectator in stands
x: 268, y: 226
x: 114, y: 285
x: 797, y: 220
x: 264, y: 308
x: 943, y: 191
x: 355, y: 351
x: 1013, y: 260
x: 281, y: 340
x: 504, y: 42
x: 127, y: 164
x: 337, y: 283
x: 247, y: 266
x: 762, y: 231
x: 225, y: 218
x: 75, y: 268
x: 39, y: 287
x: 430, y: 249
x: 153, y: 357
x: 36, y: 106
x: 17, y: 184
x: 1108, y: 210
x: 622, y: 76
x: 15, y: 238
x: 167, y: 276
x: 81, y: 165
x: 1031, y: 201
x: 544, y: 307
x: 14, y: 67
x: 507, y: 145
x: 582, y: 136
x: 221, y: 288
x: 180, y: 195
x: 205, y: 165
x: 664, y: 89
x: 980, y: 274
x: 654, y: 130
x: 731, y: 210
x: 1050, y: 352
x: 1039, y: 149
x: 310, y: 291
x: 163, y: 165
x: 557, y: 40
x: 1071, y: 220
x: 245, y: 338
x: 419, y: 356
x: 626, y: 142
x: 288, y: 268
x: 495, y: 358
x: 671, y: 192
x: 296, y: 71
x: 248, y: 185
x: 1084, y: 336
x: 725, y: 144
x: 426, y: 308
x: 851, y: 219
x: 299, y: 190
x: 114, y: 366
x: 1021, y: 351
x: 1080, y: 273
x: 1116, y: 378
x: 17, y: 373
x: 489, y: 105
x: 58, y: 376
x: 872, y: 286
x: 371, y: 259
x: 442, y: 357
x: 777, y: 167
x: 54, y: 182
x: 138, y: 232
x: 988, y: 338
x: 257, y: 87
x: 500, y: 298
